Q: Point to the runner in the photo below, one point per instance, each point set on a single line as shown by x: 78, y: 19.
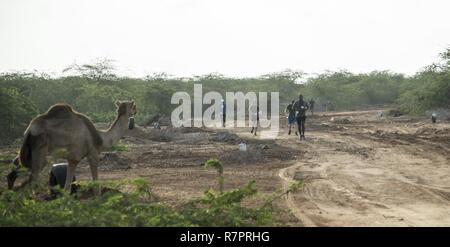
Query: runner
x: 291, y: 116
x: 300, y: 107
x: 254, y: 117
x: 224, y: 113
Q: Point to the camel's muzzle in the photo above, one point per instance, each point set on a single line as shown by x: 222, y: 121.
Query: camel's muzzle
x: 131, y: 123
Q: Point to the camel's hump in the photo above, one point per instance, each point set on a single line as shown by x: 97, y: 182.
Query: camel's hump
x: 65, y: 111
x: 59, y: 111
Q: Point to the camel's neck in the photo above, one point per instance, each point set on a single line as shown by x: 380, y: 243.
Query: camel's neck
x: 115, y: 132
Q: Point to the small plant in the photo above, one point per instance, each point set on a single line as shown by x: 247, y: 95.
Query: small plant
x: 120, y: 147
x: 215, y: 163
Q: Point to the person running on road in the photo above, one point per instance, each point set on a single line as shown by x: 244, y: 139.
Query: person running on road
x: 254, y: 117
x: 300, y: 106
x: 311, y: 106
x: 224, y: 113
x: 291, y: 116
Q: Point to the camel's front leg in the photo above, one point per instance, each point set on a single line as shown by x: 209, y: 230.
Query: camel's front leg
x: 93, y: 164
x: 70, y: 174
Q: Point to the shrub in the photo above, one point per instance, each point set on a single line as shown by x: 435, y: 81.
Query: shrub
x: 16, y: 111
x: 138, y: 206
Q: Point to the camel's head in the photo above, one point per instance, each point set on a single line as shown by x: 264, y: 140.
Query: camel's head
x: 127, y: 108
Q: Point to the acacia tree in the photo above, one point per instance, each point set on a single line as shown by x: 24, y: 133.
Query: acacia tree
x: 100, y: 70
x: 288, y: 74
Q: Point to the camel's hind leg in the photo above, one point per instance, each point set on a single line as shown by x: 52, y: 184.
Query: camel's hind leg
x: 93, y: 165
x: 39, y: 160
x: 70, y: 174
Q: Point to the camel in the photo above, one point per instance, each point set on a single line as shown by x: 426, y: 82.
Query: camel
x: 63, y: 127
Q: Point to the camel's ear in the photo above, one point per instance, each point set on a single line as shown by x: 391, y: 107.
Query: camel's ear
x: 117, y: 103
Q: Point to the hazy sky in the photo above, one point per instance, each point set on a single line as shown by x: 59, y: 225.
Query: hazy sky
x: 233, y: 37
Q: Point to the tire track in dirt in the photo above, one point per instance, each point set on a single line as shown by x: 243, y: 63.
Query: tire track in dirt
x: 389, y: 185
x: 283, y: 174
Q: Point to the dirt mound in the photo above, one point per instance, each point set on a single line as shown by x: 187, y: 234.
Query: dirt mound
x: 192, y: 138
x: 158, y: 135
x: 140, y: 132
x: 158, y: 118
x: 114, y: 161
x: 341, y: 120
x: 169, y: 134
x: 179, y: 135
x: 225, y: 136
x: 165, y: 135
x: 394, y: 113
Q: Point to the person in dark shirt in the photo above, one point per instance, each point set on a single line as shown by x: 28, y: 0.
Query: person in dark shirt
x: 300, y: 106
x: 224, y: 113
x: 291, y: 116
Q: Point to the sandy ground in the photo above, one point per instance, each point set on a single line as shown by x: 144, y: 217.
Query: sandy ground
x: 358, y: 168
x: 373, y: 171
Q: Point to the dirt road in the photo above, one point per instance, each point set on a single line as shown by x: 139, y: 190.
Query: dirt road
x: 365, y: 170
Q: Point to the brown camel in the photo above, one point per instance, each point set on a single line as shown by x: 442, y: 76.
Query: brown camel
x: 62, y: 127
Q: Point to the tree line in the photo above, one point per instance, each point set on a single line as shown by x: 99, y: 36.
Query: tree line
x: 93, y: 88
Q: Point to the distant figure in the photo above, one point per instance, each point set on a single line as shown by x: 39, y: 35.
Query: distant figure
x: 254, y: 117
x: 224, y: 113
x: 433, y: 117
x: 327, y: 105
x: 291, y: 116
x: 300, y: 107
x: 156, y: 125
x: 154, y: 119
x: 311, y: 106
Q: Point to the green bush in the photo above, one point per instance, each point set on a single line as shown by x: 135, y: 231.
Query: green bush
x: 16, y: 111
x: 120, y: 147
x: 429, y: 89
x: 138, y: 206
x: 346, y: 90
